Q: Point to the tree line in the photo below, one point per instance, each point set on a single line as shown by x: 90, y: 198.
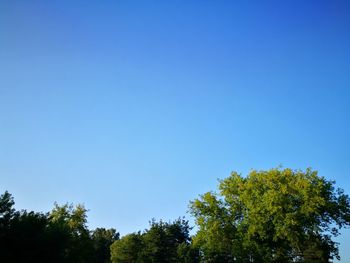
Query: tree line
x: 277, y: 215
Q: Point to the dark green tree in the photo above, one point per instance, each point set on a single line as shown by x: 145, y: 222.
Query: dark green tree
x: 7, y: 210
x: 78, y: 246
x: 279, y: 215
x: 162, y: 242
x: 28, y: 236
x: 102, y: 240
x: 128, y: 249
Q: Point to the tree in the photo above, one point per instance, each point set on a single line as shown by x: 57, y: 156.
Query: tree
x: 6, y: 209
x: 162, y: 240
x: 27, y: 236
x: 59, y: 236
x: 167, y: 242
x: 127, y: 249
x: 72, y: 222
x: 102, y: 240
x: 279, y: 215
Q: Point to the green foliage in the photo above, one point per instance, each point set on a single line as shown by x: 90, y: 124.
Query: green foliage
x: 163, y: 242
x: 102, y: 240
x: 72, y: 221
x: 59, y: 236
x: 27, y: 236
x: 128, y: 249
x: 74, y: 218
x: 271, y: 216
x: 6, y: 209
x: 279, y: 215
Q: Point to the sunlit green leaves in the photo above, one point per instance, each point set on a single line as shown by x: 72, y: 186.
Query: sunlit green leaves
x: 271, y: 215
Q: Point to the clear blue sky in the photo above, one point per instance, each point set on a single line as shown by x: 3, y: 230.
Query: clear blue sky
x: 136, y: 107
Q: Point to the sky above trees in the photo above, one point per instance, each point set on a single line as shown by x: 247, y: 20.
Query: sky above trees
x: 136, y: 107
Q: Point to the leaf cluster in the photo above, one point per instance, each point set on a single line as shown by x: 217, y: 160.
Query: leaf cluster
x: 279, y: 215
x: 59, y: 236
x: 269, y: 216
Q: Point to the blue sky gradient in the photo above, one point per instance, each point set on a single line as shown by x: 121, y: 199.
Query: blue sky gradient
x: 134, y: 108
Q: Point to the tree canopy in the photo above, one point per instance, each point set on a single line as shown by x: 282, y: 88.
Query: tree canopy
x: 167, y: 242
x: 279, y: 215
x: 272, y: 216
x: 58, y: 236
